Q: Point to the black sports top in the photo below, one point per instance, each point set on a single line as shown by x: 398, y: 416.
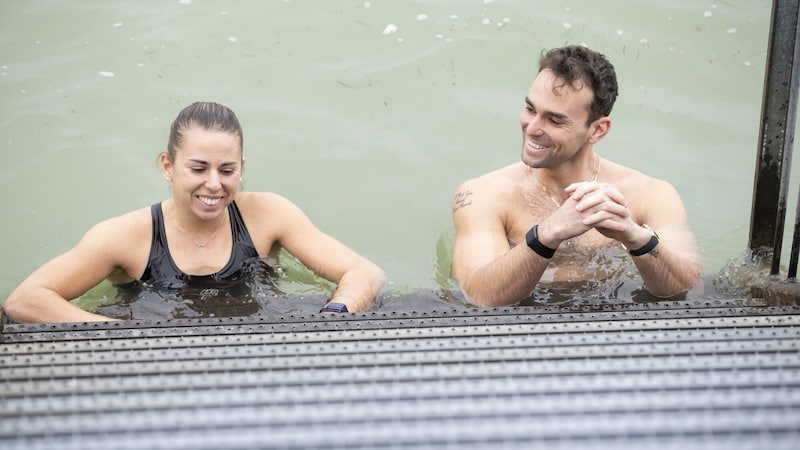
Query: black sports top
x: 161, y: 270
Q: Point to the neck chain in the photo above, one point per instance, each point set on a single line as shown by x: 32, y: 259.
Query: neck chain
x: 552, y: 199
x: 199, y: 244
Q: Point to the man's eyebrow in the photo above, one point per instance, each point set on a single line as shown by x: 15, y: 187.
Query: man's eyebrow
x: 554, y: 115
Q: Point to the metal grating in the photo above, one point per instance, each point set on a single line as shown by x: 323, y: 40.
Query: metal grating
x: 667, y: 375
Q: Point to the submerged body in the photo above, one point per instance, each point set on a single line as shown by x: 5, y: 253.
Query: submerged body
x: 203, y: 165
x: 542, y: 219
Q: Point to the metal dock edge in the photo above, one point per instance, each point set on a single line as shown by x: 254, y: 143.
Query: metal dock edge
x: 665, y: 375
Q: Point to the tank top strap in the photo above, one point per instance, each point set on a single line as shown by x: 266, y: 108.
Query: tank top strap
x: 158, y: 261
x: 243, y: 247
x: 159, y: 239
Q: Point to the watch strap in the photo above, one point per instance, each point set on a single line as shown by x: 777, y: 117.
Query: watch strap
x: 532, y: 239
x: 647, y: 248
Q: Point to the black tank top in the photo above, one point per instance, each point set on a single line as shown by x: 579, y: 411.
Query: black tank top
x: 162, y: 272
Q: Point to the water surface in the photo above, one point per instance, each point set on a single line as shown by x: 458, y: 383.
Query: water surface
x: 365, y: 114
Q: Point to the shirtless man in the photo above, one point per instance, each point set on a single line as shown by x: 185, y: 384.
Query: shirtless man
x: 542, y: 219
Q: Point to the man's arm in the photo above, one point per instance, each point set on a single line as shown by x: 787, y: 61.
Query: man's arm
x: 489, y: 272
x: 675, y: 264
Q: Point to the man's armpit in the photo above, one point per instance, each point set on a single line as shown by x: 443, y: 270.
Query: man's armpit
x: 461, y: 199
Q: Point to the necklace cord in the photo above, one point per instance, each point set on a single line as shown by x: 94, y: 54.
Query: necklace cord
x: 198, y: 244
x: 555, y: 202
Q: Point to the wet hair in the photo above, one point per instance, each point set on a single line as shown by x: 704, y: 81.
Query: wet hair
x: 207, y: 115
x: 577, y: 65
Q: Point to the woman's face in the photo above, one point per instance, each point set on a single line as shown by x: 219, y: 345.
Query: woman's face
x: 206, y: 173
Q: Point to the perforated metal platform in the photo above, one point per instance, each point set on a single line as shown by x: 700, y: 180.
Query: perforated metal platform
x: 667, y: 375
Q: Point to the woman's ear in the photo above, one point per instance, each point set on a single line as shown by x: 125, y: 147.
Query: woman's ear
x: 166, y: 166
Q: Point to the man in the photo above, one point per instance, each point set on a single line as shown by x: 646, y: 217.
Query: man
x: 543, y: 218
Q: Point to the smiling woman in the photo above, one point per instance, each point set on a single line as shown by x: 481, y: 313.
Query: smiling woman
x: 189, y: 249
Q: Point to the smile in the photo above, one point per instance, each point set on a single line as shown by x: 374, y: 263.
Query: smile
x: 210, y: 201
x: 536, y: 146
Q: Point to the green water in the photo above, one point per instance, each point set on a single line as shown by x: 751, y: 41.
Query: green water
x: 369, y: 131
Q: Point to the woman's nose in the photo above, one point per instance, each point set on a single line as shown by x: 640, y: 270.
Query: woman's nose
x: 212, y: 182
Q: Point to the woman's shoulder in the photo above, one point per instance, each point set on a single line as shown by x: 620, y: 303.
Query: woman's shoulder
x: 128, y: 224
x: 122, y: 241
x: 260, y: 200
x: 268, y: 215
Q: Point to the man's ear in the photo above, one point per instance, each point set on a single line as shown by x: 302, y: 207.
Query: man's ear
x: 600, y: 128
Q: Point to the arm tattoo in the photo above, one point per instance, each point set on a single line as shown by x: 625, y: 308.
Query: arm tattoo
x: 462, y: 199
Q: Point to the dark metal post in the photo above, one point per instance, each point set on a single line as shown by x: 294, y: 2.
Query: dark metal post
x: 788, y: 151
x: 778, y: 118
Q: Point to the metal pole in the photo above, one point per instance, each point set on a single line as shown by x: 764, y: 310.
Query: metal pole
x: 769, y: 192
x: 788, y: 150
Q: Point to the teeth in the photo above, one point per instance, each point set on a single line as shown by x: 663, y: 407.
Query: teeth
x: 536, y: 146
x: 209, y: 201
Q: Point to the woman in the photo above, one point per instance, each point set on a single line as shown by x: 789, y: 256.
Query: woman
x: 207, y: 231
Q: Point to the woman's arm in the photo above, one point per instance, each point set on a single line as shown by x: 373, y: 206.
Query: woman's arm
x: 44, y: 295
x: 358, y: 279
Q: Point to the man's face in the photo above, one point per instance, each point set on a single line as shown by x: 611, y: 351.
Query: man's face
x: 553, y: 122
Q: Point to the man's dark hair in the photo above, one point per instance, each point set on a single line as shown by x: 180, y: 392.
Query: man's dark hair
x: 577, y: 65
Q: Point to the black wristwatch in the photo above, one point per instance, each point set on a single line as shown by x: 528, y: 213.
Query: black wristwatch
x: 647, y: 248
x: 334, y: 307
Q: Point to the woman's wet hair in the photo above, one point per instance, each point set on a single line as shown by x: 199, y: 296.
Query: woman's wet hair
x: 207, y: 115
x: 577, y: 65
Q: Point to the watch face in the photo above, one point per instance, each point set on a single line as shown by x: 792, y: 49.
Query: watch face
x: 335, y: 307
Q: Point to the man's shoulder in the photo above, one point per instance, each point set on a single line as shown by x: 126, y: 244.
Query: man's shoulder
x: 498, y: 179
x: 627, y: 175
x: 636, y: 184
x: 491, y: 191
